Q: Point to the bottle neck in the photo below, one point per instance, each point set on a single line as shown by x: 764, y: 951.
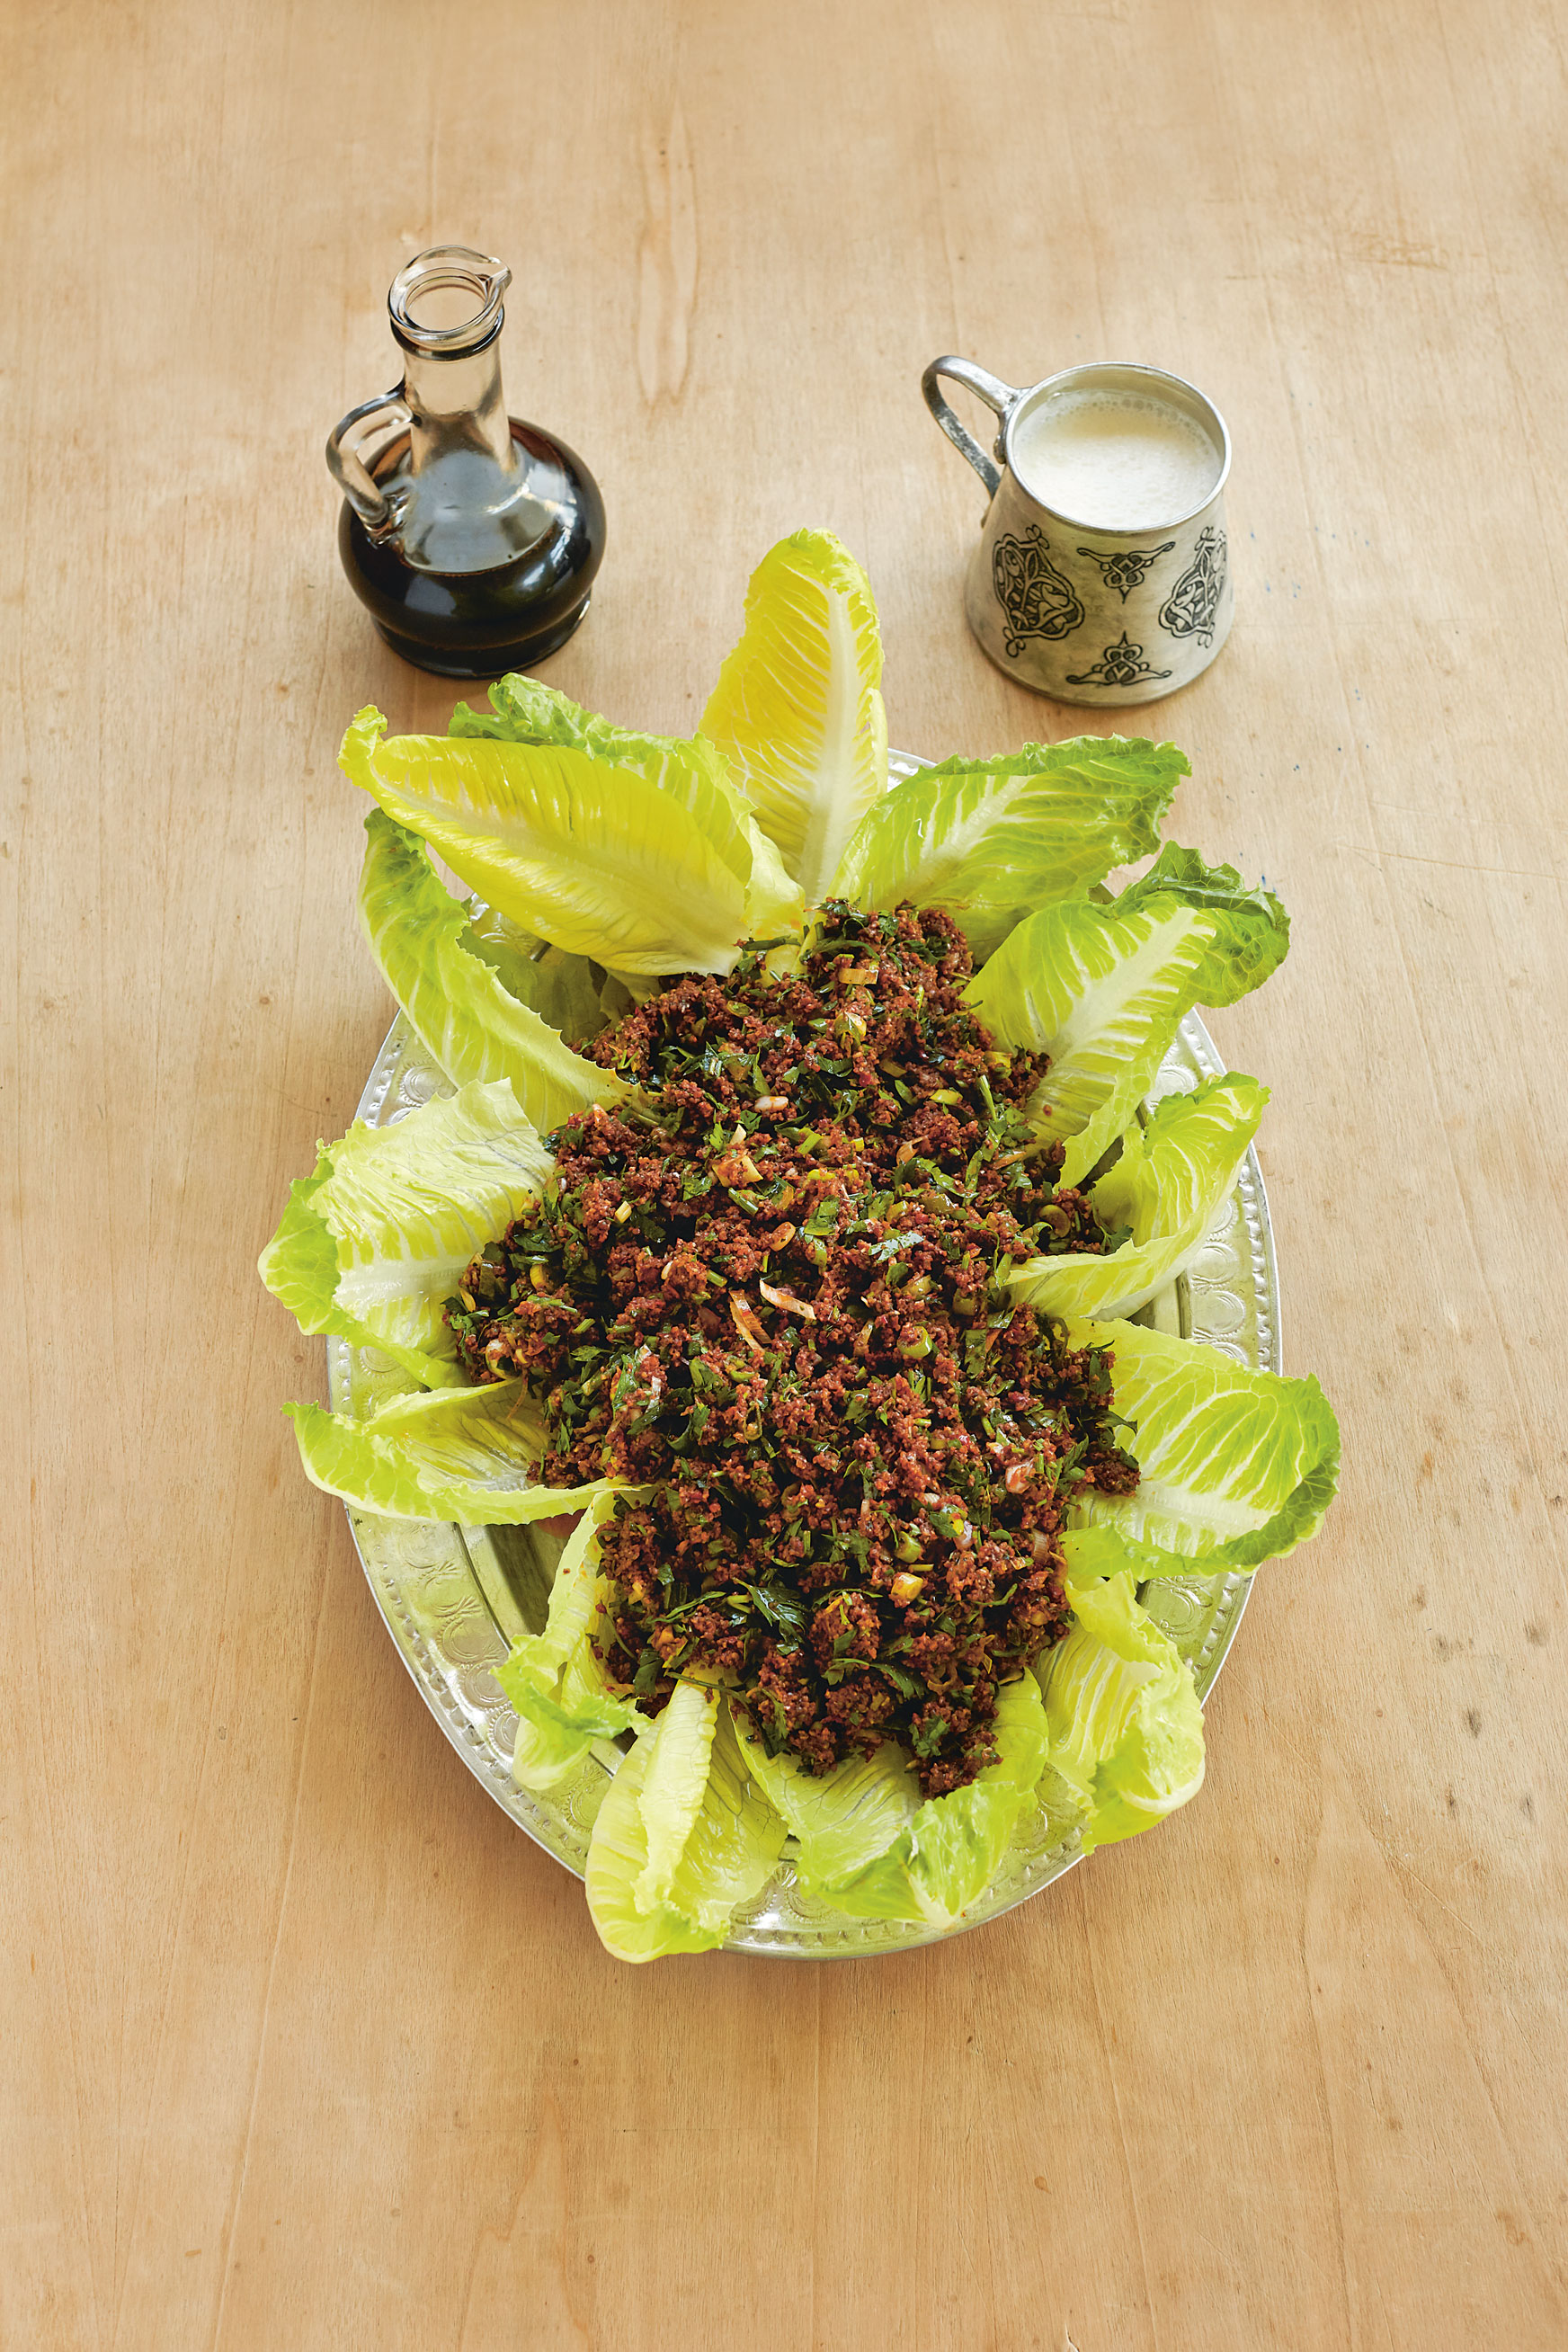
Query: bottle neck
x: 456, y: 402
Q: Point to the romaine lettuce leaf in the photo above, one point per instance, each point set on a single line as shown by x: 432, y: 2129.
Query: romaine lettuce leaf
x: 672, y: 1791
x: 552, y: 1678
x: 1168, y: 1186
x: 372, y: 1246
x: 555, y: 1730
x: 1089, y: 1554
x: 453, y: 1454
x: 524, y: 711
x: 649, y: 863
x: 618, y: 1856
x: 1122, y: 1715
x: 948, y: 1854
x: 538, y: 1658
x: 1254, y: 930
x: 732, y: 1849
x: 796, y: 713
x: 299, y: 1267
x: 840, y: 1819
x: 1102, y: 992
x: 1102, y: 987
x: 561, y: 988
x: 1236, y: 1466
x: 472, y: 1024
x: 991, y: 840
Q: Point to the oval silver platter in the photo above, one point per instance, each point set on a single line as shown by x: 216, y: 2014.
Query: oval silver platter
x: 455, y: 1599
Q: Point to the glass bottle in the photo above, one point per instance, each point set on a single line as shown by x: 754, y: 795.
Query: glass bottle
x: 472, y: 537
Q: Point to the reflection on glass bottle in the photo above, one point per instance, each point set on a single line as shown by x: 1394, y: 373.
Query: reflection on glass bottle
x: 472, y: 537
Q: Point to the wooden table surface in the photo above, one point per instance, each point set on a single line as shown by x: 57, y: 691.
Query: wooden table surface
x: 304, y: 2046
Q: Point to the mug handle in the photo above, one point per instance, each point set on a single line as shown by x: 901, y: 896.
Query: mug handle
x: 998, y: 396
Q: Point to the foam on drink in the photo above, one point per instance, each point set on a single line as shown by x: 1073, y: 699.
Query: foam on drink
x: 1114, y: 460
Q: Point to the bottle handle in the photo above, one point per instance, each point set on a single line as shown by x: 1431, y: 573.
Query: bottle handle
x: 345, y: 459
x: 999, y: 396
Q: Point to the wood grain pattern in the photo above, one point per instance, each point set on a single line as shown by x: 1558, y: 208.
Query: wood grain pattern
x: 303, y: 2044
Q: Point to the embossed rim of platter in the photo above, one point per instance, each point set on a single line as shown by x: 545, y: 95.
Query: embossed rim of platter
x: 449, y: 1605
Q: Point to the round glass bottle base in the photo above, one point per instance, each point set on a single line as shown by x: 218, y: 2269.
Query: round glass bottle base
x: 484, y: 661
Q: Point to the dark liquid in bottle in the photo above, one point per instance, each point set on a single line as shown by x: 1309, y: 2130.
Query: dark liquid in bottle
x: 453, y: 608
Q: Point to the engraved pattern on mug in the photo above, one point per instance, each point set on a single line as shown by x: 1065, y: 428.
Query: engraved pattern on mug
x: 1120, y: 665
x: 1037, y: 599
x: 1189, y: 609
x: 1125, y: 571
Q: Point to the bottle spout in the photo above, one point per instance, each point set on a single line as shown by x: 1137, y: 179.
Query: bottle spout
x: 446, y: 301
x: 446, y: 314
x: 445, y: 310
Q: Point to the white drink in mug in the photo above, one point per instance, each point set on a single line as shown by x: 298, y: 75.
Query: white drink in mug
x: 1115, y: 461
x: 1102, y: 572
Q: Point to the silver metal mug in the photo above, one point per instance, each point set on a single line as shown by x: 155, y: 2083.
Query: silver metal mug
x: 1082, y: 614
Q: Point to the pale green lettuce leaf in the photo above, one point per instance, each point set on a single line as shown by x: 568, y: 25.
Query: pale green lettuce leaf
x: 618, y: 1856
x: 1092, y: 1553
x: 1102, y: 992
x: 840, y: 1819
x: 1253, y: 931
x: 538, y: 1658
x: 1102, y: 989
x: 561, y: 988
x: 991, y: 840
x: 1236, y: 1466
x: 299, y: 1264
x: 773, y: 905
x: 472, y: 1024
x: 672, y: 1791
x: 1089, y: 1554
x: 796, y: 713
x: 374, y: 1244
x: 649, y: 864
x: 555, y: 1730
x: 552, y: 1678
x: 524, y: 711
x: 948, y: 1854
x: 1168, y: 1186
x: 1125, y: 1727
x: 454, y: 1454
x: 732, y: 1849
x: 736, y: 1842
